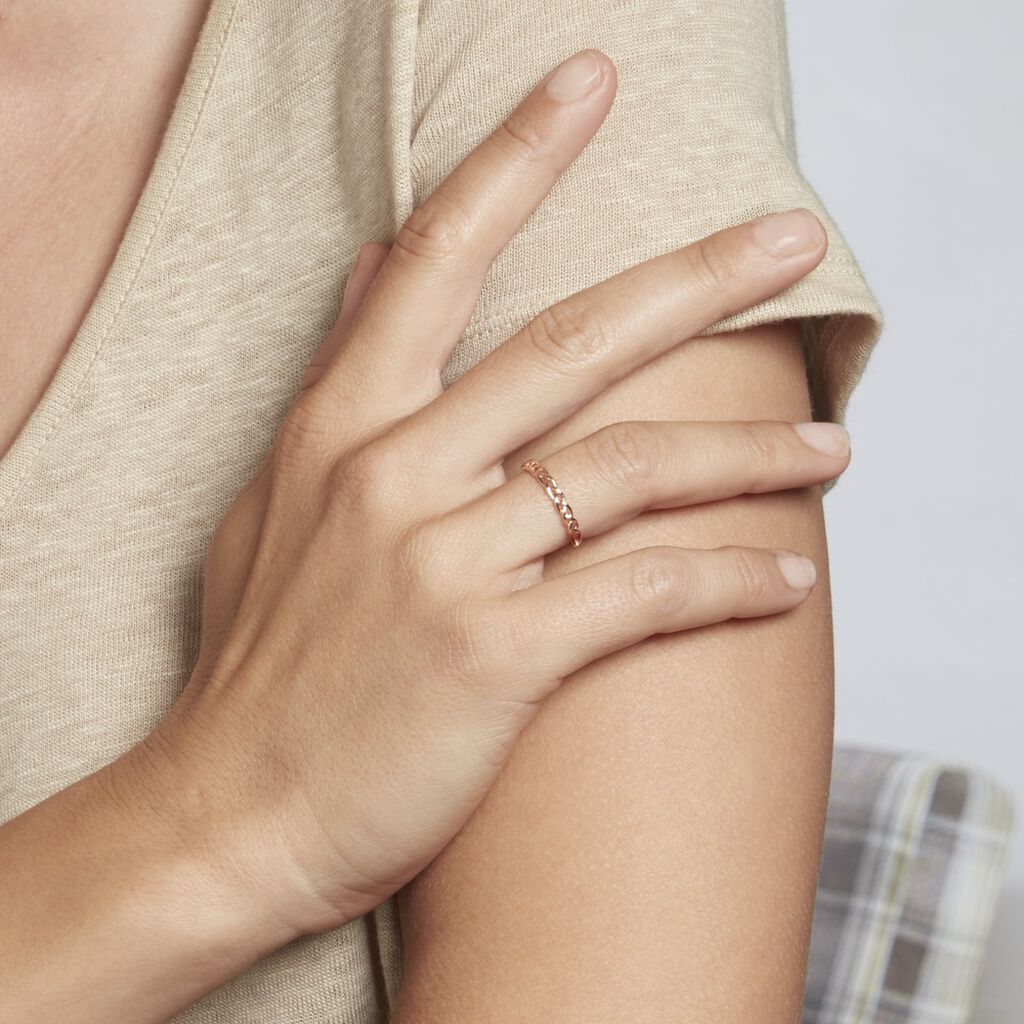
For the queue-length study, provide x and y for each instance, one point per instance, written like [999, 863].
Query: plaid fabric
[910, 874]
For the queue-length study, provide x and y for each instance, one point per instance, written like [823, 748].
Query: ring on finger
[554, 492]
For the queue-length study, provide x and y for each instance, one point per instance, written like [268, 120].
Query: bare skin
[85, 91]
[131, 984]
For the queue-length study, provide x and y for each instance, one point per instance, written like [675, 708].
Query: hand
[377, 630]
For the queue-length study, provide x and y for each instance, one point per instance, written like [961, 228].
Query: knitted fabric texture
[301, 131]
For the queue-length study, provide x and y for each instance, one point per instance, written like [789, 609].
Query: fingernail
[797, 571]
[574, 78]
[829, 438]
[790, 233]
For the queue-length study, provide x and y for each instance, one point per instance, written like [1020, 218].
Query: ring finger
[611, 475]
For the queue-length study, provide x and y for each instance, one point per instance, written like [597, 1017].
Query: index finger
[426, 289]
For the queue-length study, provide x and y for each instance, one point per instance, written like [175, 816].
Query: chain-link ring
[554, 492]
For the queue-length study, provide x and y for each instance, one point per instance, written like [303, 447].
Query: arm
[654, 839]
[117, 907]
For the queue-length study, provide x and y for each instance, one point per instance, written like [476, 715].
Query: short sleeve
[700, 137]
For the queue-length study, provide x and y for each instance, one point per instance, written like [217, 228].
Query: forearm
[114, 910]
[654, 840]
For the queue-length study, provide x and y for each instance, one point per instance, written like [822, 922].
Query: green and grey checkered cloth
[910, 876]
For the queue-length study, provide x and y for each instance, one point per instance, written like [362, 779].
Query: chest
[79, 138]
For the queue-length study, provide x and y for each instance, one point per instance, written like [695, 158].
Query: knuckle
[659, 579]
[762, 444]
[712, 267]
[754, 577]
[569, 332]
[423, 559]
[307, 430]
[434, 232]
[463, 638]
[365, 476]
[519, 137]
[625, 452]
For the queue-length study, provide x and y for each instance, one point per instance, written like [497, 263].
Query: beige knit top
[301, 131]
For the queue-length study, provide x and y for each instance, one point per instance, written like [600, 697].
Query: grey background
[909, 122]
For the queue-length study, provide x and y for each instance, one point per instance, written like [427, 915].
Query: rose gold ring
[554, 492]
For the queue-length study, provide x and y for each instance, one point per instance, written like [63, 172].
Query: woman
[376, 729]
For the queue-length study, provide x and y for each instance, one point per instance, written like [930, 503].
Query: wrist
[104, 880]
[224, 823]
[207, 853]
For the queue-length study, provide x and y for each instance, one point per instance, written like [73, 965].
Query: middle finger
[575, 349]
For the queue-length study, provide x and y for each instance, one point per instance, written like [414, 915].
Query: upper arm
[650, 848]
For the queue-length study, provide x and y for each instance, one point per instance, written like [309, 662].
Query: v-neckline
[132, 252]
